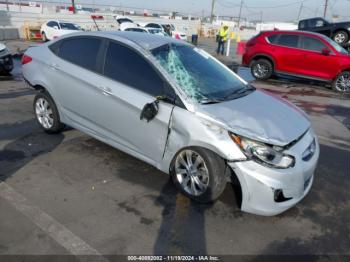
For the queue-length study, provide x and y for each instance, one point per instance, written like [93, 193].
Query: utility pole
[240, 13]
[73, 5]
[300, 10]
[212, 11]
[325, 8]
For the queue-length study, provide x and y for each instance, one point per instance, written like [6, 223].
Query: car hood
[260, 116]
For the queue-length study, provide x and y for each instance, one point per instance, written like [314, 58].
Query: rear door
[75, 74]
[129, 82]
[316, 64]
[286, 50]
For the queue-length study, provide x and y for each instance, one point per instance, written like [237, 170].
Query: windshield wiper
[239, 92]
[208, 101]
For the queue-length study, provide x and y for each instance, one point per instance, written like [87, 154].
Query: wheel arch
[342, 70]
[263, 56]
[39, 88]
[340, 29]
[193, 147]
[230, 175]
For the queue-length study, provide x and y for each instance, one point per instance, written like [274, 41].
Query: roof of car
[146, 41]
[297, 32]
[312, 18]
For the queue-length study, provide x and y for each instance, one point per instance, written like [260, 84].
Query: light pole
[325, 9]
[212, 11]
[300, 10]
[240, 13]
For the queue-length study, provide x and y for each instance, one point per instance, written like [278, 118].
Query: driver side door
[127, 84]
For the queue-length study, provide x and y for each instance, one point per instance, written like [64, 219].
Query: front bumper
[6, 63]
[260, 183]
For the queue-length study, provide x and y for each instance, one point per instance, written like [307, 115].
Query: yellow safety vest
[223, 34]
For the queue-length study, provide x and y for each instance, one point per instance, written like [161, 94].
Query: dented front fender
[188, 129]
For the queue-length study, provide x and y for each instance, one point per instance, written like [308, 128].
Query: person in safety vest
[222, 38]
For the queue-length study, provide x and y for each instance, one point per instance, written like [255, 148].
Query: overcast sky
[273, 10]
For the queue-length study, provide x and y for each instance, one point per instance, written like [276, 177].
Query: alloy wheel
[260, 70]
[340, 38]
[43, 113]
[343, 83]
[191, 172]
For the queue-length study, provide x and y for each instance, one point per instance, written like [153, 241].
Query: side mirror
[325, 51]
[150, 110]
[55, 27]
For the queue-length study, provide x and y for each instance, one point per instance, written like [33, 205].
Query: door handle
[106, 90]
[54, 66]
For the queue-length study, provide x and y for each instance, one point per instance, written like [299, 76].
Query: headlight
[263, 153]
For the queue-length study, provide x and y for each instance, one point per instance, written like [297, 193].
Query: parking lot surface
[71, 194]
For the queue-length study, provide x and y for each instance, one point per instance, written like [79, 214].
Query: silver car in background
[177, 108]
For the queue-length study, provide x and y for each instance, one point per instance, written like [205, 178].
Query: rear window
[289, 40]
[82, 51]
[124, 20]
[272, 39]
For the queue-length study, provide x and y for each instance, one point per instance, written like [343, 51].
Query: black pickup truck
[339, 32]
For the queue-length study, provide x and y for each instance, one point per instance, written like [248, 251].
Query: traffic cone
[233, 35]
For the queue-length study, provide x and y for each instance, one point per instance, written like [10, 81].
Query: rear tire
[342, 82]
[261, 69]
[341, 37]
[199, 174]
[46, 113]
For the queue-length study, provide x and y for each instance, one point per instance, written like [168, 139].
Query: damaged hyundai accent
[177, 108]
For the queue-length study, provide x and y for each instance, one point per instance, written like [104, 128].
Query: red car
[298, 53]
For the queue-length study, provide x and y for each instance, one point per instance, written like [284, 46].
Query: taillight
[26, 59]
[177, 36]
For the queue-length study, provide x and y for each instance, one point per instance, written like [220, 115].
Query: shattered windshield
[199, 75]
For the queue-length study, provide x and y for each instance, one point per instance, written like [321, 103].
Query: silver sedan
[179, 109]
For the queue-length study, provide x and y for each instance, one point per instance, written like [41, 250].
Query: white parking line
[49, 225]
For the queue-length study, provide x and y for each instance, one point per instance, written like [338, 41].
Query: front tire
[46, 113]
[199, 174]
[342, 82]
[341, 37]
[262, 69]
